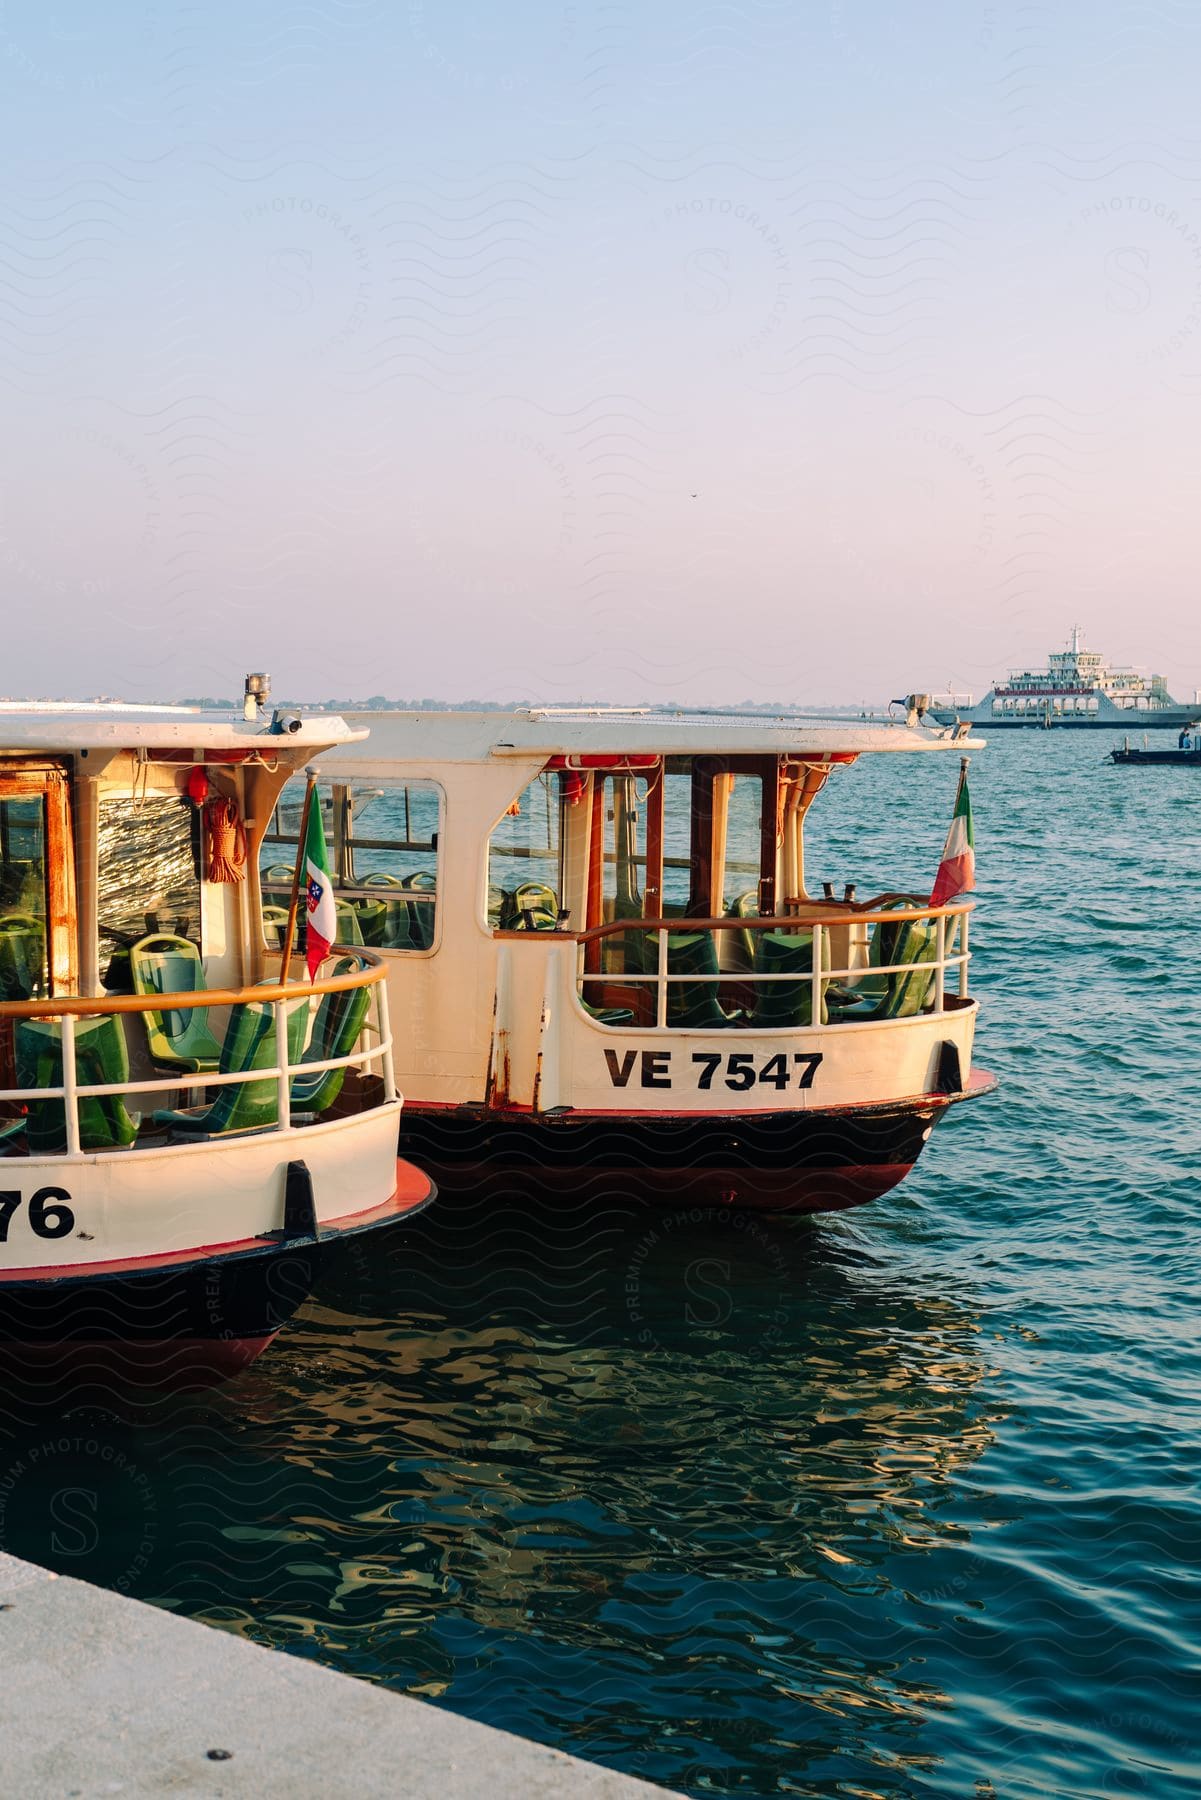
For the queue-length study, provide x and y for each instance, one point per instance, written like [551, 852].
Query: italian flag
[957, 870]
[321, 916]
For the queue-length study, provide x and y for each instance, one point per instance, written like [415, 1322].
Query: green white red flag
[320, 912]
[957, 870]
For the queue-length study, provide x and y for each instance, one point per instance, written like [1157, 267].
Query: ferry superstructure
[598, 927]
[1077, 689]
[179, 1113]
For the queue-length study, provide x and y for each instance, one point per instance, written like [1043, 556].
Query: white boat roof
[50, 725]
[452, 737]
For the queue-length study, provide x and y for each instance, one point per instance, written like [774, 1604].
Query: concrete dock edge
[103, 1695]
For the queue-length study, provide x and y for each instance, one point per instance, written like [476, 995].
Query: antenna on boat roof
[256, 693]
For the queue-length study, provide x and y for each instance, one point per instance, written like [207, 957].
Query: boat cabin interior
[129, 895]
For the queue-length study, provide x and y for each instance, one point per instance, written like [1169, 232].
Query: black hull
[168, 1323]
[189, 1325]
[1190, 759]
[800, 1161]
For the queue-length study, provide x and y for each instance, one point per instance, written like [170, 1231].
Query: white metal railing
[951, 929]
[283, 998]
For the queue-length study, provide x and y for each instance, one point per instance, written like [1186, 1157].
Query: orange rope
[226, 840]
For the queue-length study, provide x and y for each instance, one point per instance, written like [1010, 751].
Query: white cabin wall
[442, 1002]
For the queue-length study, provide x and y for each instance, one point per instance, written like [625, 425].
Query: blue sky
[710, 352]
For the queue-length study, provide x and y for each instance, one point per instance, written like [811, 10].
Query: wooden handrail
[831, 913]
[100, 1005]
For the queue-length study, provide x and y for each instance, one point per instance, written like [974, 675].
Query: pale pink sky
[718, 355]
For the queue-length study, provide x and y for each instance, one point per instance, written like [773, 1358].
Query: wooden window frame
[50, 782]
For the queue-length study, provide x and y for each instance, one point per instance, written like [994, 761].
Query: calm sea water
[889, 1503]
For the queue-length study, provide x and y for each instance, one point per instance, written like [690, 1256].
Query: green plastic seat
[275, 923]
[608, 1015]
[691, 1006]
[869, 985]
[905, 992]
[392, 921]
[349, 929]
[372, 916]
[275, 884]
[535, 918]
[630, 952]
[183, 1040]
[528, 896]
[22, 956]
[421, 914]
[398, 926]
[100, 1058]
[243, 1105]
[784, 1005]
[745, 906]
[336, 1029]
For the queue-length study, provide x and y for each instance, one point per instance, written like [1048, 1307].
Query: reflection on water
[669, 1490]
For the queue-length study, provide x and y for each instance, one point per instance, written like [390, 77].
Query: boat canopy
[64, 727]
[453, 737]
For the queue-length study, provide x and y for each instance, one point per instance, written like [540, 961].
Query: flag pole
[293, 906]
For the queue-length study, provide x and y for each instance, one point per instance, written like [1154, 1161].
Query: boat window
[624, 863]
[697, 838]
[677, 840]
[149, 862]
[525, 859]
[24, 970]
[713, 847]
[382, 841]
[743, 846]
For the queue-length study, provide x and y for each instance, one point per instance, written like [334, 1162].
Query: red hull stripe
[413, 1190]
[979, 1082]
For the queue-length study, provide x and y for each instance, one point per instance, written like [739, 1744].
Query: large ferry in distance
[1078, 688]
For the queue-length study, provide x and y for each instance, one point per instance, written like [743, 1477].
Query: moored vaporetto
[184, 1124]
[611, 969]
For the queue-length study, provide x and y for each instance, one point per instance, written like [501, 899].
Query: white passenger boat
[176, 1113]
[611, 969]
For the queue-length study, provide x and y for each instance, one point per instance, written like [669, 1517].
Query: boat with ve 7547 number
[612, 971]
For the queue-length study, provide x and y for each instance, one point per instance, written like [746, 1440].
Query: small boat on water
[183, 1127]
[1185, 753]
[598, 929]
